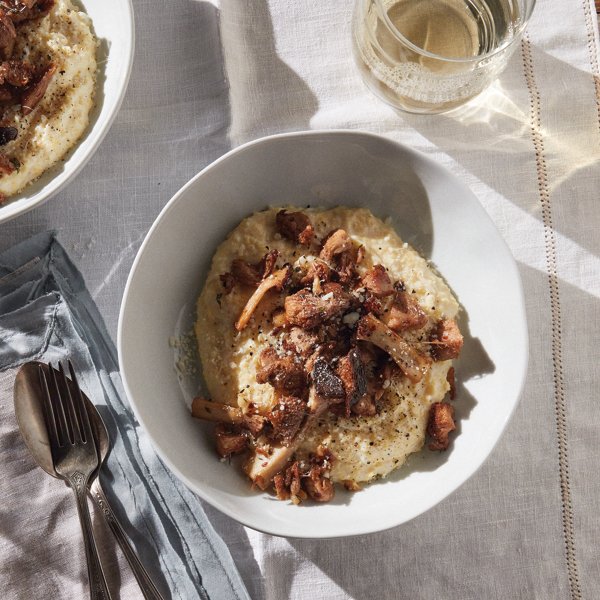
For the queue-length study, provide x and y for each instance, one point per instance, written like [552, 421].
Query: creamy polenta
[62, 38]
[362, 446]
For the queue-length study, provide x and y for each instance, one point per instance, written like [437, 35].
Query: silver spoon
[30, 417]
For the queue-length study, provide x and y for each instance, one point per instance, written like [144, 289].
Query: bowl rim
[57, 184]
[357, 528]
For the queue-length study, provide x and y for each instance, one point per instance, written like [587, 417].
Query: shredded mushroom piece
[35, 92]
[411, 362]
[276, 280]
[261, 469]
[337, 243]
[215, 411]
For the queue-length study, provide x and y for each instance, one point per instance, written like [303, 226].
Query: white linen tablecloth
[210, 75]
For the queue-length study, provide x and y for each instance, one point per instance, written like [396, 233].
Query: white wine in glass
[430, 56]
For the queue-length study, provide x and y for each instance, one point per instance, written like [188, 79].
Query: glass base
[412, 106]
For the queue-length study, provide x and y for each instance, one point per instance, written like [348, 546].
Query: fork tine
[49, 409]
[84, 420]
[59, 413]
[72, 413]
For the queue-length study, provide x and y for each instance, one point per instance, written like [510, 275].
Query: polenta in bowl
[303, 295]
[47, 87]
[326, 345]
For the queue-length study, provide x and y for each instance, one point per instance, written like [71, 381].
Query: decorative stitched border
[592, 51]
[551, 257]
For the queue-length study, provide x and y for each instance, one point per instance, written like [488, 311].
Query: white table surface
[526, 525]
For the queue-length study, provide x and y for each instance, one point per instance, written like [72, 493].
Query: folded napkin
[47, 314]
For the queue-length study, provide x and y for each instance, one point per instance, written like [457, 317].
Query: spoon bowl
[29, 411]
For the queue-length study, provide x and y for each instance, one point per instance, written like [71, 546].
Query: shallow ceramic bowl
[113, 25]
[431, 210]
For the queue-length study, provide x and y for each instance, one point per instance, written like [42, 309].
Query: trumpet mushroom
[223, 413]
[337, 242]
[274, 281]
[411, 362]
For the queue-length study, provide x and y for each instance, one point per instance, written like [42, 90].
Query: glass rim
[467, 59]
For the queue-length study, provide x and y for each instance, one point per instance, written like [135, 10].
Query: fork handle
[98, 587]
[143, 578]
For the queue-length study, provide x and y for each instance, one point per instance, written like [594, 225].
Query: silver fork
[75, 459]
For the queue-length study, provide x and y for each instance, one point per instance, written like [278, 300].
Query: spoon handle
[98, 587]
[143, 578]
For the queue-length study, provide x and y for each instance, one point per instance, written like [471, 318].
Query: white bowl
[431, 209]
[113, 25]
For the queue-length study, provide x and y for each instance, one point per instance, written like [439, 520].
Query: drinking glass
[430, 56]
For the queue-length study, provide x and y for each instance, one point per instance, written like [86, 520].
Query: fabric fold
[46, 313]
